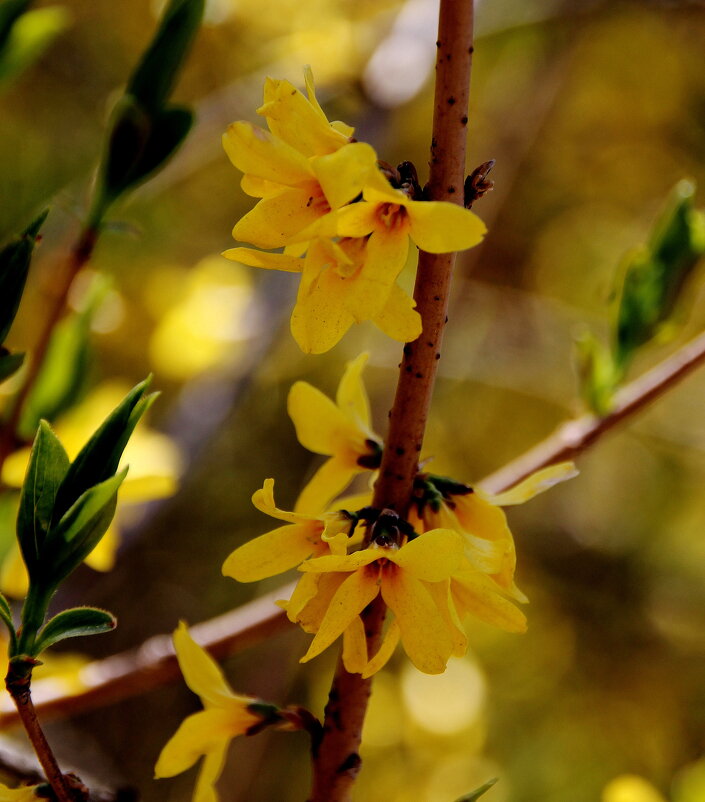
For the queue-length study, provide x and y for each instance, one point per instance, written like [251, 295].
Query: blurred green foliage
[592, 120]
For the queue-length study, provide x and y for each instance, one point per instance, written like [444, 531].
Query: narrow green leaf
[29, 37]
[6, 616]
[63, 374]
[656, 274]
[78, 532]
[155, 76]
[48, 464]
[74, 623]
[9, 363]
[14, 267]
[99, 458]
[10, 10]
[597, 374]
[476, 794]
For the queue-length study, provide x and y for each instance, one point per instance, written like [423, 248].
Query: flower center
[354, 249]
[391, 215]
[317, 200]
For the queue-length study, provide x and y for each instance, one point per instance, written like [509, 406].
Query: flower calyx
[433, 490]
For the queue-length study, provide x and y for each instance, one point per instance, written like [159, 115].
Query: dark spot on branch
[436, 297]
[351, 764]
[438, 356]
[451, 190]
[464, 119]
[471, 50]
[408, 349]
[399, 451]
[430, 344]
[409, 368]
[451, 101]
[438, 43]
[419, 375]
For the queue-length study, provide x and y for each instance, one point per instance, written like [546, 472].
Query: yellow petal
[432, 556]
[630, 788]
[440, 593]
[272, 553]
[351, 598]
[211, 769]
[356, 220]
[102, 558]
[297, 121]
[15, 467]
[343, 174]
[349, 562]
[439, 227]
[278, 220]
[352, 396]
[257, 152]
[320, 319]
[199, 734]
[476, 594]
[355, 647]
[258, 187]
[269, 261]
[369, 290]
[399, 318]
[425, 638]
[201, 673]
[311, 599]
[328, 482]
[533, 485]
[24, 794]
[263, 499]
[139, 489]
[320, 425]
[385, 651]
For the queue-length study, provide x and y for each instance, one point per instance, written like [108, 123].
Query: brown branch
[571, 438]
[17, 683]
[337, 761]
[77, 259]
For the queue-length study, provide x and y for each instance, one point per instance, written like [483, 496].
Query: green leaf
[62, 377]
[99, 458]
[10, 10]
[48, 464]
[476, 794]
[597, 374]
[79, 531]
[155, 76]
[140, 144]
[74, 623]
[9, 363]
[14, 267]
[6, 616]
[656, 274]
[28, 38]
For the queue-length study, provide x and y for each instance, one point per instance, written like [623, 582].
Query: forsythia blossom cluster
[455, 556]
[324, 201]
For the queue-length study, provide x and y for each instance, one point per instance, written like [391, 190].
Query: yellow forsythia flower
[339, 430]
[208, 733]
[154, 463]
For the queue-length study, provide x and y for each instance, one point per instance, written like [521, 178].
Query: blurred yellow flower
[154, 463]
[208, 733]
[630, 788]
[339, 430]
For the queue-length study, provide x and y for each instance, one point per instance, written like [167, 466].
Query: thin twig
[77, 259]
[337, 761]
[573, 437]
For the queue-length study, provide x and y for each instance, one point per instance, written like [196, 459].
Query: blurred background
[593, 111]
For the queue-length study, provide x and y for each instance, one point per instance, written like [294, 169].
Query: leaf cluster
[655, 276]
[65, 509]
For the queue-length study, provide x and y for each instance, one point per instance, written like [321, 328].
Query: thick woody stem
[337, 761]
[77, 259]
